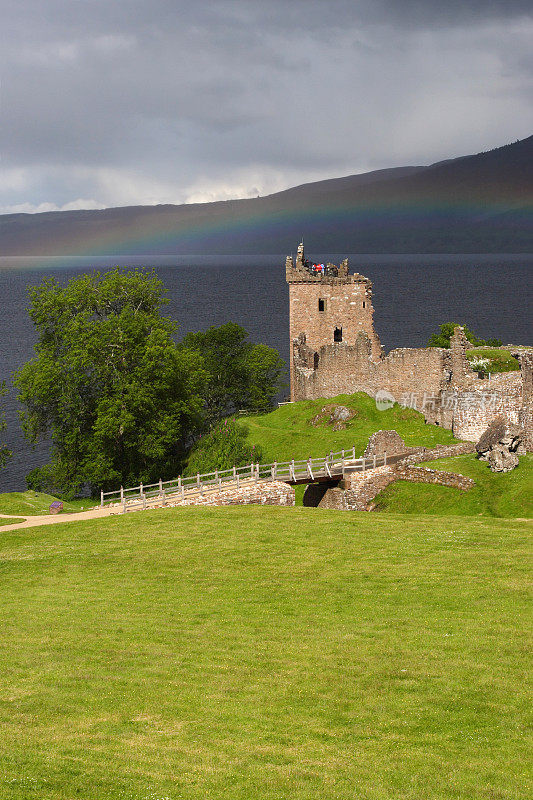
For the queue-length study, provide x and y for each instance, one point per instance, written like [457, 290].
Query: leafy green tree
[241, 374]
[442, 339]
[5, 454]
[119, 399]
[222, 448]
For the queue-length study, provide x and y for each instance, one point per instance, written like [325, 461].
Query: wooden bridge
[329, 469]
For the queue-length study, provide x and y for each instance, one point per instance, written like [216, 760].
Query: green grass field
[31, 503]
[286, 433]
[507, 494]
[500, 359]
[265, 653]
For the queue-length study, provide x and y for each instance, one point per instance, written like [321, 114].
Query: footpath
[52, 519]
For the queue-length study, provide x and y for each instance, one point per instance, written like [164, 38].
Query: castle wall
[326, 306]
[347, 306]
[525, 415]
[344, 368]
[475, 407]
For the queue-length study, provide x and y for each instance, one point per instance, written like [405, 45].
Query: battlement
[304, 271]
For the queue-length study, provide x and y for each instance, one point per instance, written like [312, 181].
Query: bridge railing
[294, 471]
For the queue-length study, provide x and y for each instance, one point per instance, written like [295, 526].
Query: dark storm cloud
[119, 102]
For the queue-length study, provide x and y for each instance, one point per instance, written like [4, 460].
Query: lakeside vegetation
[121, 401]
[265, 653]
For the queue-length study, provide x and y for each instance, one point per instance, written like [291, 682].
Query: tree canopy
[119, 400]
[5, 454]
[442, 339]
[241, 375]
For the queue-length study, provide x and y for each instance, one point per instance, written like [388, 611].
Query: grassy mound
[496, 495]
[265, 653]
[500, 359]
[287, 432]
[32, 503]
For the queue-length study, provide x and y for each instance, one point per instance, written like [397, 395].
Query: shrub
[225, 446]
[442, 339]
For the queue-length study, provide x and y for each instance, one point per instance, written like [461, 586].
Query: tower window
[337, 335]
[321, 304]
[315, 361]
[364, 304]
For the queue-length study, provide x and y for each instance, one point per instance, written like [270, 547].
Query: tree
[222, 448]
[241, 374]
[442, 339]
[119, 399]
[5, 454]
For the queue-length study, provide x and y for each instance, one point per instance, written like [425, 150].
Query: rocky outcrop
[500, 445]
[501, 459]
[337, 416]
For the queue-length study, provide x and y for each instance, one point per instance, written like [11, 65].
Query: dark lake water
[412, 295]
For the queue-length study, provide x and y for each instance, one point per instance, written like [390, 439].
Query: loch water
[412, 295]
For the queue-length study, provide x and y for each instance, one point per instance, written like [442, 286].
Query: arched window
[315, 361]
[337, 335]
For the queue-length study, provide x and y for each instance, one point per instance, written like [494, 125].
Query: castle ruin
[335, 350]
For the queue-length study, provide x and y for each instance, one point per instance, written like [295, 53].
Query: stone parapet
[267, 493]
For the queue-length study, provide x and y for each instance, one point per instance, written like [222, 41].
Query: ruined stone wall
[362, 488]
[340, 368]
[441, 451]
[525, 415]
[482, 401]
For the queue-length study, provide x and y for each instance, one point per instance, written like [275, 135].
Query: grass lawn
[507, 494]
[286, 433]
[500, 359]
[10, 521]
[265, 653]
[31, 503]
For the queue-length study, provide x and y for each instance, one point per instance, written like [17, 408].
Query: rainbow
[273, 224]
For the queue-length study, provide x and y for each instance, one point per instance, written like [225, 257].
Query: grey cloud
[134, 102]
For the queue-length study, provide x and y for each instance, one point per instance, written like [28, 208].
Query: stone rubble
[500, 445]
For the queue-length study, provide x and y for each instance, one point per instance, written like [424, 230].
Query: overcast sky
[122, 102]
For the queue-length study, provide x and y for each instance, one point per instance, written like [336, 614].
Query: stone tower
[328, 309]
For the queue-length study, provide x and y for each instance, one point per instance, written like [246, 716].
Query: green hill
[265, 653]
[494, 495]
[288, 431]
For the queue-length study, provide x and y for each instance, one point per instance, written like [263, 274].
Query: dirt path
[51, 519]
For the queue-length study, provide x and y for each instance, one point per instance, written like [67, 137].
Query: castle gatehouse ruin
[335, 350]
